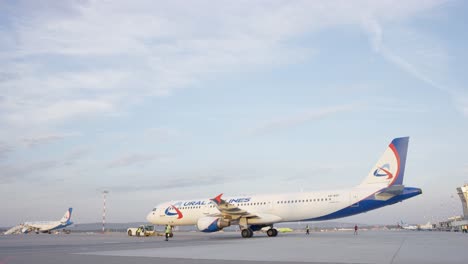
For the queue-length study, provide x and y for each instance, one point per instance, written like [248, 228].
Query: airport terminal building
[458, 223]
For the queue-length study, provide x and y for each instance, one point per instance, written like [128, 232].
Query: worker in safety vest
[168, 231]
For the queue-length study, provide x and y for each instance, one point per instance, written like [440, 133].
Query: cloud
[379, 47]
[78, 59]
[133, 159]
[59, 111]
[45, 139]
[72, 60]
[168, 183]
[298, 119]
[308, 174]
[375, 31]
[161, 133]
[12, 173]
[462, 103]
[4, 150]
[19, 171]
[76, 155]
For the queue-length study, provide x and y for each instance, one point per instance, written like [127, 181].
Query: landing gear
[247, 233]
[272, 232]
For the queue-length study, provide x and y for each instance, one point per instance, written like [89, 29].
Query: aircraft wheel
[271, 232]
[247, 233]
[129, 232]
[275, 232]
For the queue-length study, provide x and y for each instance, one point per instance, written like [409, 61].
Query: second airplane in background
[383, 186]
[42, 226]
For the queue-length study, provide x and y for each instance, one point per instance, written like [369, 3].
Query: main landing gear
[272, 232]
[246, 233]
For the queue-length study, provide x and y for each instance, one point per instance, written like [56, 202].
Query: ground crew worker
[355, 229]
[168, 232]
[307, 229]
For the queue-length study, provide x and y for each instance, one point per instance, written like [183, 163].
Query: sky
[166, 100]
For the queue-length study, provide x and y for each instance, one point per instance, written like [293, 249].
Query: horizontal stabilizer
[389, 192]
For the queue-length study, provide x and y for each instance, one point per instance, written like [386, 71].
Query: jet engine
[212, 224]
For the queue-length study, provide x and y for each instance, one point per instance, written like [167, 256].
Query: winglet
[217, 199]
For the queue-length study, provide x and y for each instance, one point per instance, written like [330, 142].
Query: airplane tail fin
[67, 216]
[390, 168]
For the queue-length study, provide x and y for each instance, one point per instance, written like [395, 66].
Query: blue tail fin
[67, 216]
[400, 147]
[390, 169]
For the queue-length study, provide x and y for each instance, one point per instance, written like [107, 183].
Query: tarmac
[229, 248]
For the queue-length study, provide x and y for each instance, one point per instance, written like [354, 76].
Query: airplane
[408, 227]
[383, 186]
[426, 227]
[42, 226]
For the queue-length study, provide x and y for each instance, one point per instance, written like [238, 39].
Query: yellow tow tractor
[143, 230]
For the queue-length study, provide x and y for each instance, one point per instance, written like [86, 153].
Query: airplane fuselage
[382, 186]
[303, 206]
[46, 226]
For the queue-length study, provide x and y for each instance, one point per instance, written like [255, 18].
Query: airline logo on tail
[383, 171]
[66, 218]
[67, 215]
[177, 212]
[389, 169]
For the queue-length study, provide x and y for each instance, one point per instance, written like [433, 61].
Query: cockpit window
[154, 209]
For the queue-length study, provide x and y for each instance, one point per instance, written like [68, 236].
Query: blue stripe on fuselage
[368, 204]
[62, 225]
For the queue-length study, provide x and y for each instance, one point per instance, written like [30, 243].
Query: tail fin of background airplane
[67, 216]
[390, 168]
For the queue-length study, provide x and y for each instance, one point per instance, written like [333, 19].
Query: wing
[231, 211]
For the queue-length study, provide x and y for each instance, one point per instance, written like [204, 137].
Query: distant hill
[96, 227]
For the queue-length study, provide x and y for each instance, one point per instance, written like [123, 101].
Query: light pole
[104, 210]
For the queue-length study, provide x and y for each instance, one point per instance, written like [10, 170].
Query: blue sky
[156, 101]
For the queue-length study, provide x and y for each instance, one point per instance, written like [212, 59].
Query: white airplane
[408, 227]
[427, 227]
[383, 186]
[42, 226]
